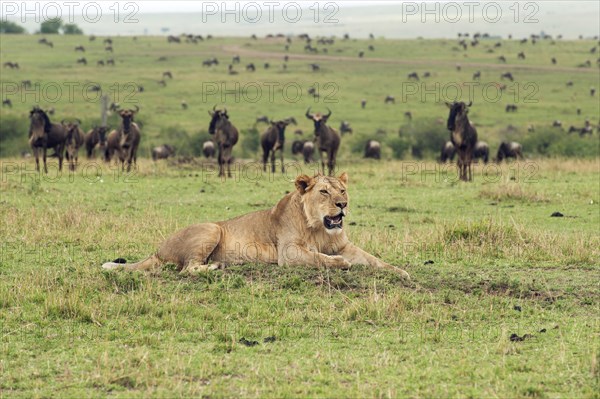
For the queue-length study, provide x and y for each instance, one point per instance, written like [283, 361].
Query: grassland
[539, 90]
[487, 259]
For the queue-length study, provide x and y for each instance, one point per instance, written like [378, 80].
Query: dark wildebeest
[502, 59]
[389, 99]
[345, 128]
[510, 149]
[44, 134]
[100, 63]
[306, 147]
[408, 115]
[82, 61]
[511, 108]
[74, 141]
[508, 76]
[315, 67]
[110, 61]
[463, 135]
[477, 75]
[235, 59]
[521, 55]
[326, 139]
[250, 67]
[184, 104]
[413, 75]
[80, 48]
[262, 119]
[448, 152]
[373, 149]
[7, 103]
[11, 65]
[272, 140]
[553, 61]
[225, 136]
[481, 150]
[167, 74]
[361, 54]
[208, 149]
[162, 152]
[95, 137]
[363, 103]
[124, 140]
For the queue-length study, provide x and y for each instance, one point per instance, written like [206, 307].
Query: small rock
[352, 223]
[515, 338]
[557, 215]
[517, 308]
[120, 260]
[543, 330]
[428, 262]
[269, 339]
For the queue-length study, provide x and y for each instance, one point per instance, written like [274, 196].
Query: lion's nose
[341, 205]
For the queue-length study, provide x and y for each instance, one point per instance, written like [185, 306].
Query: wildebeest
[100, 63]
[345, 128]
[108, 48]
[80, 48]
[510, 149]
[124, 140]
[306, 147]
[502, 59]
[363, 103]
[44, 134]
[235, 59]
[511, 108]
[250, 67]
[273, 140]
[7, 103]
[373, 149]
[262, 119]
[208, 149]
[225, 136]
[326, 139]
[173, 39]
[553, 61]
[184, 104]
[82, 61]
[11, 65]
[477, 75]
[361, 54]
[389, 99]
[521, 55]
[73, 142]
[210, 62]
[481, 151]
[557, 123]
[162, 152]
[167, 74]
[448, 152]
[408, 115]
[413, 75]
[507, 75]
[463, 135]
[315, 67]
[95, 138]
[592, 91]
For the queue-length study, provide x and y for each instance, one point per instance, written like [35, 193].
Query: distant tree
[72, 29]
[11, 27]
[51, 26]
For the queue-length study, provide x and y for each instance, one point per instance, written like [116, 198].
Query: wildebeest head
[127, 117]
[280, 127]
[458, 110]
[40, 123]
[318, 119]
[217, 118]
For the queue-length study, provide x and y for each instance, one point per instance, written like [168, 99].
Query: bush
[249, 142]
[72, 29]
[11, 28]
[51, 26]
[554, 142]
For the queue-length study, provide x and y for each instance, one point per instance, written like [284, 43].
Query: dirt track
[235, 49]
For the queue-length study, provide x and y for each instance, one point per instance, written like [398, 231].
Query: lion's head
[324, 200]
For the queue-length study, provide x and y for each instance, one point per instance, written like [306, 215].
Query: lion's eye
[324, 192]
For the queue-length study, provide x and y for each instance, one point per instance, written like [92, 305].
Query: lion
[305, 228]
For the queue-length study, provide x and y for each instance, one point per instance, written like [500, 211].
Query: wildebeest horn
[329, 114]
[225, 110]
[470, 103]
[448, 104]
[308, 115]
[137, 109]
[215, 107]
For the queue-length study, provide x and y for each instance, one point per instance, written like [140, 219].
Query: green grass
[70, 329]
[540, 88]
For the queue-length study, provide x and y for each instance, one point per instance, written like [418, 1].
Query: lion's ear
[302, 182]
[344, 178]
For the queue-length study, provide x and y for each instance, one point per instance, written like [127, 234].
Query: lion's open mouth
[334, 222]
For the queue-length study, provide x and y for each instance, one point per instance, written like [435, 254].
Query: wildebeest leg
[330, 162]
[322, 160]
[272, 161]
[265, 159]
[220, 159]
[281, 157]
[36, 154]
[44, 155]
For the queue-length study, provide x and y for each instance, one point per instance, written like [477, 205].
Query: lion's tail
[149, 263]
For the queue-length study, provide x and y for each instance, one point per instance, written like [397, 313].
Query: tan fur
[291, 233]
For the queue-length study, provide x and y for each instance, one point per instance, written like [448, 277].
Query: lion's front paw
[402, 273]
[338, 262]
